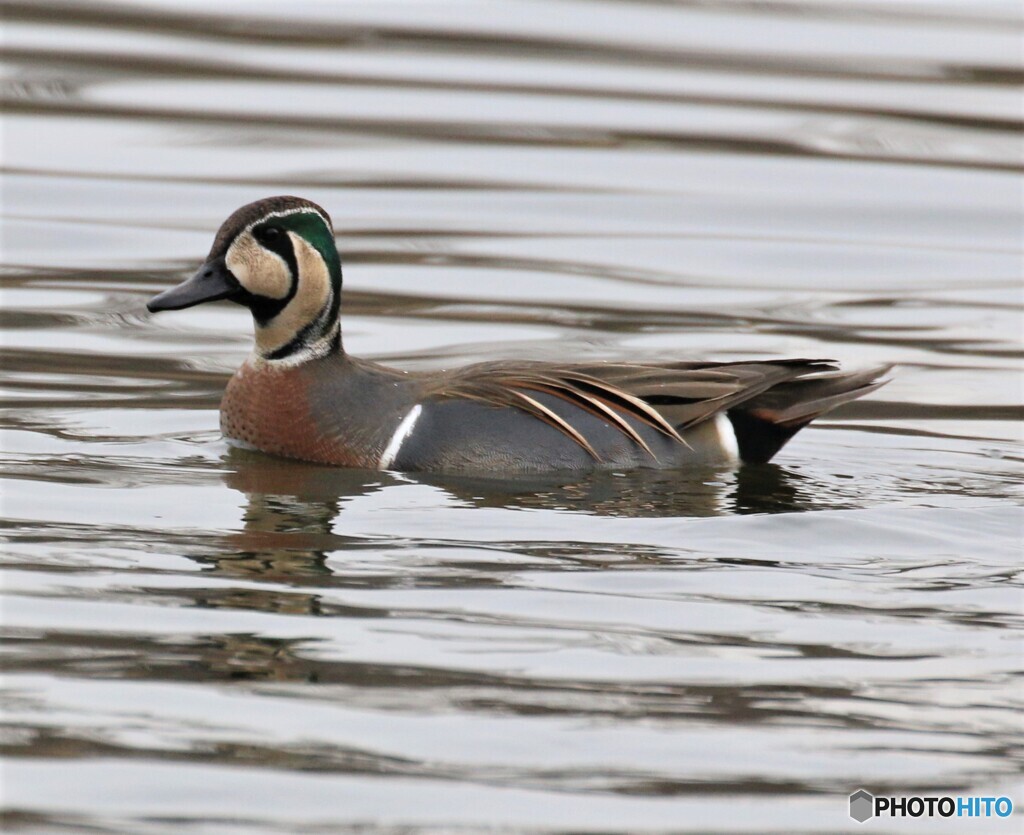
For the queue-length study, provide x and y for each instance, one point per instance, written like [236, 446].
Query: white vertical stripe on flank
[403, 431]
[727, 436]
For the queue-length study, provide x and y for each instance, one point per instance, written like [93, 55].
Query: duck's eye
[270, 233]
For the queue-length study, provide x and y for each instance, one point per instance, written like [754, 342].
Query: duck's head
[277, 257]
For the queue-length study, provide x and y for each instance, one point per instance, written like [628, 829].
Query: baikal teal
[300, 395]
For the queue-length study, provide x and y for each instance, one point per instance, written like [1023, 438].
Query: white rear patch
[403, 431]
[727, 436]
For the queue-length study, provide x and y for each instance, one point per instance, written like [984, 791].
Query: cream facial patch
[258, 270]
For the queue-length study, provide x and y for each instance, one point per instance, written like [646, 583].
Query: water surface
[211, 640]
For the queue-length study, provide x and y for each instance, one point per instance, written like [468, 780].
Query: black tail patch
[758, 438]
[766, 422]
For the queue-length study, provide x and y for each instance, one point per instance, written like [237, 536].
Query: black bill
[213, 281]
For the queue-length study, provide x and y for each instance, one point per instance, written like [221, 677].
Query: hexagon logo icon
[862, 805]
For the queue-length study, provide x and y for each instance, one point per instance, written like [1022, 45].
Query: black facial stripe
[313, 332]
[336, 341]
[287, 350]
[282, 245]
[335, 305]
[301, 340]
[264, 309]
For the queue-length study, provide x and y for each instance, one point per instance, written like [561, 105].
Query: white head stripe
[284, 213]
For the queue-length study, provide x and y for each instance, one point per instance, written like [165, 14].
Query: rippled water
[214, 640]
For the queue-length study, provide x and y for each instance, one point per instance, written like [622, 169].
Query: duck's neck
[313, 341]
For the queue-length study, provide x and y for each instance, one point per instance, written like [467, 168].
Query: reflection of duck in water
[292, 505]
[301, 396]
[289, 515]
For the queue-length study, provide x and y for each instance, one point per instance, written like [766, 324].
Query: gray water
[207, 640]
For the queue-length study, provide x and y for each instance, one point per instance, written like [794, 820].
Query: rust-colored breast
[268, 408]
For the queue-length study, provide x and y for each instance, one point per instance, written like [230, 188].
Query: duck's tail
[766, 422]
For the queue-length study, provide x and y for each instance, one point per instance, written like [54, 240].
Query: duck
[300, 395]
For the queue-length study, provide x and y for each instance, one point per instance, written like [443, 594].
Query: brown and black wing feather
[768, 402]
